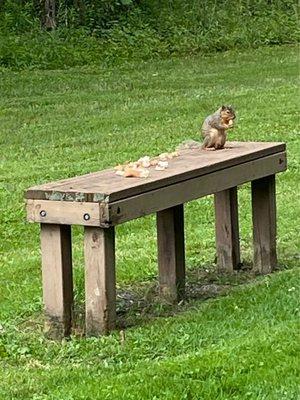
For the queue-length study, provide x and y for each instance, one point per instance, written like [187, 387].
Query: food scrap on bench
[140, 168]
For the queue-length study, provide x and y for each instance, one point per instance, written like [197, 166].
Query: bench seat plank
[110, 214]
[108, 187]
[179, 193]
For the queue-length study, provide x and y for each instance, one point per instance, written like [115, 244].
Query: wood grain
[227, 230]
[57, 279]
[68, 213]
[170, 196]
[106, 186]
[100, 291]
[264, 224]
[171, 258]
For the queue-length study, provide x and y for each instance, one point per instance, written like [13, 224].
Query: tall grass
[149, 30]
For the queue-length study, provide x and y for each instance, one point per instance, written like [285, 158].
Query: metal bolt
[86, 216]
[43, 213]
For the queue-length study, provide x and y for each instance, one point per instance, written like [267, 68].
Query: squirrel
[213, 131]
[214, 128]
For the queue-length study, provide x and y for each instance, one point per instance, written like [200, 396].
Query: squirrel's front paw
[230, 124]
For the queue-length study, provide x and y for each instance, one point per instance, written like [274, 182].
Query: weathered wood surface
[264, 224]
[66, 212]
[57, 279]
[227, 230]
[179, 193]
[105, 186]
[171, 258]
[108, 214]
[100, 280]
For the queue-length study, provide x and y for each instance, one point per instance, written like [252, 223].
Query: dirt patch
[140, 303]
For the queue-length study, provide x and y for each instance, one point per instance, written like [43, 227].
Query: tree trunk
[49, 21]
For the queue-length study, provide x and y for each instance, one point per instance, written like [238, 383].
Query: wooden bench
[99, 201]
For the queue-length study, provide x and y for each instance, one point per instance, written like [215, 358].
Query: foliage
[102, 31]
[56, 124]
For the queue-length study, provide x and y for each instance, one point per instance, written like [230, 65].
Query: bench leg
[57, 279]
[171, 259]
[264, 224]
[227, 230]
[100, 281]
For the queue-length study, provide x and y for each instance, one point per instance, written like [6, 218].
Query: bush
[119, 31]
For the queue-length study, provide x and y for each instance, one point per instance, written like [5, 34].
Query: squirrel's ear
[223, 108]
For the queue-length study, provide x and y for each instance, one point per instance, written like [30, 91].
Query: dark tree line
[98, 16]
[92, 14]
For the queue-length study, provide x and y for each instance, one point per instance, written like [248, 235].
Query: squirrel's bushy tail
[189, 144]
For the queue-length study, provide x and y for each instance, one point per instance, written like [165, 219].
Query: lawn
[239, 339]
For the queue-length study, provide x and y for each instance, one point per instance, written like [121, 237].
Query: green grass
[55, 124]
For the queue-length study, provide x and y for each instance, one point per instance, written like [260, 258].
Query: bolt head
[86, 217]
[43, 213]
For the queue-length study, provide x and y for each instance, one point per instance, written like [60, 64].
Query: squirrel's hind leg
[220, 141]
[206, 143]
[209, 141]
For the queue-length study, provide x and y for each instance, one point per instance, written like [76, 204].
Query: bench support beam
[171, 258]
[264, 224]
[57, 279]
[100, 280]
[227, 230]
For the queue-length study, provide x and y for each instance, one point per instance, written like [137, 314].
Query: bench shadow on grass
[137, 305]
[140, 304]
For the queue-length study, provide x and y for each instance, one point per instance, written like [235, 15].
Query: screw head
[86, 217]
[43, 213]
